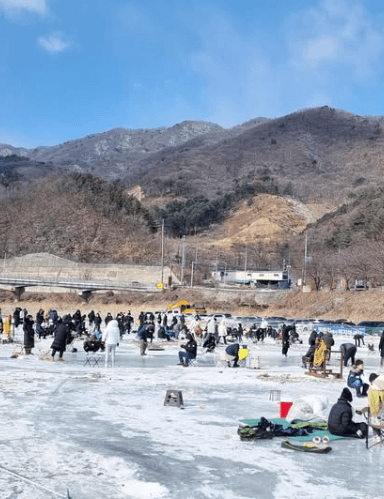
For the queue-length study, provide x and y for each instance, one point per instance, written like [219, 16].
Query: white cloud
[12, 6]
[321, 48]
[336, 32]
[329, 51]
[54, 43]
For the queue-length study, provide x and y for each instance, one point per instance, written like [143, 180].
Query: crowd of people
[208, 334]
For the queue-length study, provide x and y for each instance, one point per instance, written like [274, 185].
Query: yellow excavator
[183, 307]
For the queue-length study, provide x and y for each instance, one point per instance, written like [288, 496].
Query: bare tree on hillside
[332, 272]
[347, 269]
[317, 272]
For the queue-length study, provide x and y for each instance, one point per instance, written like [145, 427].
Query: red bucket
[284, 408]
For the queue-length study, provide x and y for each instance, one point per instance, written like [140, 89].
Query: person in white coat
[111, 337]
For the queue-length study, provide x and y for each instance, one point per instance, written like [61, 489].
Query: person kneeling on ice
[340, 418]
[190, 351]
[355, 381]
[232, 354]
[111, 338]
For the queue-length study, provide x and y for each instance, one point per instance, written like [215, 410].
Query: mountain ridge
[309, 152]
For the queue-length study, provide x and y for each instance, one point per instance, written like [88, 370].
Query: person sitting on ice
[93, 344]
[190, 351]
[340, 418]
[232, 354]
[308, 357]
[323, 349]
[313, 338]
[354, 379]
[210, 343]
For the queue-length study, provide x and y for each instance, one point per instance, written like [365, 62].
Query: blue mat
[308, 438]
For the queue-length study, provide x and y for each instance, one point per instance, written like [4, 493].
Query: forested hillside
[78, 216]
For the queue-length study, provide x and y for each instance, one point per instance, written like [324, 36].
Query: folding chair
[377, 425]
[92, 360]
[371, 348]
[222, 360]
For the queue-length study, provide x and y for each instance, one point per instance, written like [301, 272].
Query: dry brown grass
[354, 306]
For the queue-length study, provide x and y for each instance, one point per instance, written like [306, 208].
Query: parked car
[218, 316]
[245, 321]
[372, 327]
[277, 322]
[304, 325]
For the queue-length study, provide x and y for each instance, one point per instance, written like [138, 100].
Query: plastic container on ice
[284, 408]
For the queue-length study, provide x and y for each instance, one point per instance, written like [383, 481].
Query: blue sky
[72, 68]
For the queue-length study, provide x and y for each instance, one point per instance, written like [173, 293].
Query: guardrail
[10, 280]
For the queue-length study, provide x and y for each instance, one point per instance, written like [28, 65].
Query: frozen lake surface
[105, 433]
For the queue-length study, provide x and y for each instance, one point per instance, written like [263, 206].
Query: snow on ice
[106, 434]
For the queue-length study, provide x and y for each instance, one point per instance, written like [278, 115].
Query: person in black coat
[190, 351]
[348, 351]
[285, 340]
[62, 333]
[340, 418]
[141, 319]
[381, 348]
[39, 322]
[97, 321]
[16, 317]
[91, 318]
[309, 356]
[128, 321]
[29, 334]
[108, 318]
[210, 343]
[232, 353]
[312, 338]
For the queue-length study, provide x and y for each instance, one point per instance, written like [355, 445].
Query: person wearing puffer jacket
[111, 338]
[340, 418]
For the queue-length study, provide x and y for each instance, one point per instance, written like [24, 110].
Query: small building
[264, 278]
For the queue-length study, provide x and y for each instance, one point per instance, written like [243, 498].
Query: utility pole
[182, 260]
[192, 275]
[245, 263]
[162, 252]
[305, 259]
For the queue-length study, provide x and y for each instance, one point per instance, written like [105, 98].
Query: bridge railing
[16, 280]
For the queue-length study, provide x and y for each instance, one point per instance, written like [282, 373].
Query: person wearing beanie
[340, 418]
[355, 381]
